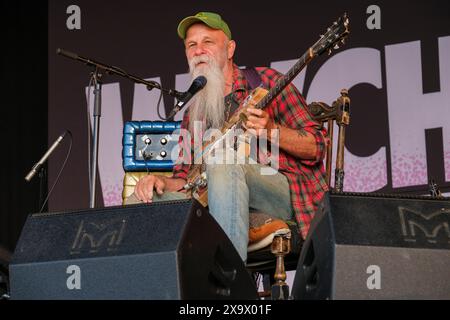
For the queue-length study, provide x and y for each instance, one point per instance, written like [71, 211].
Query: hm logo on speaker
[415, 225]
[92, 237]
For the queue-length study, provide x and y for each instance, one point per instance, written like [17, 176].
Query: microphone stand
[97, 104]
[120, 72]
[42, 177]
[97, 114]
[39, 168]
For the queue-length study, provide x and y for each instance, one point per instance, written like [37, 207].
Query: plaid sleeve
[321, 143]
[292, 111]
[298, 117]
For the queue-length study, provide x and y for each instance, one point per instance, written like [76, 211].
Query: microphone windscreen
[197, 84]
[67, 54]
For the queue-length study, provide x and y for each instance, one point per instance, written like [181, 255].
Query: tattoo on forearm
[301, 132]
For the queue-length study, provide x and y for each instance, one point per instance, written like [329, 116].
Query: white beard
[208, 105]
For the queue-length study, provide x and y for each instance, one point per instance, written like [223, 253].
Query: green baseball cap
[212, 20]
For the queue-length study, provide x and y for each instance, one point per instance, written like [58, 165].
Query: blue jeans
[232, 190]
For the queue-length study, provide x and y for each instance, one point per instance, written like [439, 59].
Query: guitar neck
[286, 79]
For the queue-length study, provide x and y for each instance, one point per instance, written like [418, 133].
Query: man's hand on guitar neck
[154, 183]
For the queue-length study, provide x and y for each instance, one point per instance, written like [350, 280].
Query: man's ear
[231, 47]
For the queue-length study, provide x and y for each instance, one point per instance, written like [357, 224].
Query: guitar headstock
[334, 36]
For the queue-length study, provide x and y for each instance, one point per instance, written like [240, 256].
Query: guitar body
[195, 177]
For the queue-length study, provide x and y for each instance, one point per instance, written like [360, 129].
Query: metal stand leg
[281, 246]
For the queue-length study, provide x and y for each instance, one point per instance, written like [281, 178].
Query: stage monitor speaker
[167, 250]
[364, 246]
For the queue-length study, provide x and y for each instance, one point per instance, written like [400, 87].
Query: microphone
[198, 84]
[39, 164]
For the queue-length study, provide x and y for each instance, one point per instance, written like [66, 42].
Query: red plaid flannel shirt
[306, 178]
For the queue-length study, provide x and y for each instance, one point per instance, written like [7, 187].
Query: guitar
[260, 98]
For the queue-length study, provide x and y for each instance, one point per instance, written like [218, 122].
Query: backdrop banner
[395, 64]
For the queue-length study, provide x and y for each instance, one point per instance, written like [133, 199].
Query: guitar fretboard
[285, 80]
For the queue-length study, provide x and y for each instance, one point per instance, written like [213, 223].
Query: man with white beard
[233, 189]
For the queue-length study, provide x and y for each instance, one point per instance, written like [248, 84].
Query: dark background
[24, 111]
[148, 46]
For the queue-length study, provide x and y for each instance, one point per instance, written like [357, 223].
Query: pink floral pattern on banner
[112, 194]
[360, 175]
[409, 170]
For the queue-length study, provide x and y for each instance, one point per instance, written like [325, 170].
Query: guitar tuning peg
[335, 23]
[328, 29]
[343, 41]
[329, 51]
[321, 36]
[336, 47]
